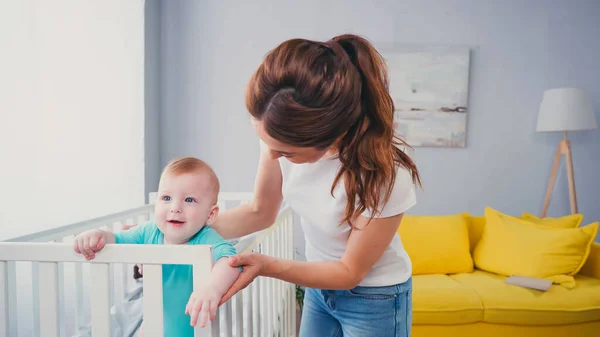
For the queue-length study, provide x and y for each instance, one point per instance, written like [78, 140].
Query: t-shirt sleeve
[402, 198]
[134, 235]
[221, 247]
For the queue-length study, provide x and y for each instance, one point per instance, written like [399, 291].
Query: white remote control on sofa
[529, 282]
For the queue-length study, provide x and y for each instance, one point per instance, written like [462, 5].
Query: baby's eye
[189, 200]
[166, 198]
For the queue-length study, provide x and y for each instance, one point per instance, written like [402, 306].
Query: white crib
[48, 290]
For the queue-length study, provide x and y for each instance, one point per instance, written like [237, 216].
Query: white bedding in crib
[126, 317]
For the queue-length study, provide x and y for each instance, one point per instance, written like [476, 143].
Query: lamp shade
[566, 109]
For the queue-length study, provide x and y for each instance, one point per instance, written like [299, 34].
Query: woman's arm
[261, 212]
[364, 248]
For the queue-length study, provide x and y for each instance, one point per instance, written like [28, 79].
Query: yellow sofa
[459, 284]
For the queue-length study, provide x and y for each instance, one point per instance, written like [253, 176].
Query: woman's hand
[253, 265]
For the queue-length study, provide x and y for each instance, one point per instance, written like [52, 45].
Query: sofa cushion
[511, 304]
[438, 299]
[567, 221]
[512, 246]
[476, 223]
[437, 244]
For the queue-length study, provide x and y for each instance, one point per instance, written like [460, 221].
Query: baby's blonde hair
[185, 165]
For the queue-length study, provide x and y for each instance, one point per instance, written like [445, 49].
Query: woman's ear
[212, 216]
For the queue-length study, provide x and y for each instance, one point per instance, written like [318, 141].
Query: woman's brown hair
[318, 94]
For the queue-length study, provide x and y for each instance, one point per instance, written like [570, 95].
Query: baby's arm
[223, 276]
[203, 303]
[90, 242]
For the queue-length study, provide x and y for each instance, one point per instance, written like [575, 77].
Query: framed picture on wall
[430, 88]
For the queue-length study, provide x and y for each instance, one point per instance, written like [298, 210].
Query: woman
[325, 120]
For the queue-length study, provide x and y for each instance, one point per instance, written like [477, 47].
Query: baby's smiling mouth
[176, 223]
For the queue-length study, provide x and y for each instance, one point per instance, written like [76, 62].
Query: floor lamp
[564, 110]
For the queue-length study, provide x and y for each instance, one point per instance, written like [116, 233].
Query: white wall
[71, 111]
[71, 119]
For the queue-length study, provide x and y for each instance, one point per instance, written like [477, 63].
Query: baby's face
[184, 205]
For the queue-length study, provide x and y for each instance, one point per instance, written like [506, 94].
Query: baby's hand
[89, 242]
[203, 303]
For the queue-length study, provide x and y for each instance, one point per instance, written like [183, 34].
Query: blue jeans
[358, 312]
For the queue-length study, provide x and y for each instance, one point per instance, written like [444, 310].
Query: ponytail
[370, 151]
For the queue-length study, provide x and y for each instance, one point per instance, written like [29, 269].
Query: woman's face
[296, 155]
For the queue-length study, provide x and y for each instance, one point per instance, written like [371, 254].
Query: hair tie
[337, 48]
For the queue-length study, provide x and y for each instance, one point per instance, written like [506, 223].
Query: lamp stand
[563, 149]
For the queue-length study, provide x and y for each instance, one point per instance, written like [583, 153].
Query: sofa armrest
[591, 267]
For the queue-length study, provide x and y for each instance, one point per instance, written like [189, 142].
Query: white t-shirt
[307, 190]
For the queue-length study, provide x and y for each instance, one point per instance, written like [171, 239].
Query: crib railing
[24, 279]
[45, 263]
[49, 255]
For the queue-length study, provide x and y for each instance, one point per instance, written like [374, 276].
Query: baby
[186, 203]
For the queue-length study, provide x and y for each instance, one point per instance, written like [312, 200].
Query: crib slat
[13, 327]
[286, 293]
[111, 277]
[239, 314]
[48, 296]
[277, 290]
[35, 293]
[3, 299]
[286, 312]
[257, 312]
[284, 307]
[276, 298]
[272, 289]
[121, 281]
[228, 319]
[292, 302]
[280, 284]
[201, 268]
[100, 306]
[216, 325]
[60, 277]
[248, 310]
[266, 296]
[286, 301]
[269, 291]
[78, 295]
[291, 308]
[153, 301]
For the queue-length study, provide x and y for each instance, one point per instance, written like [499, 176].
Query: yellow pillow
[567, 221]
[475, 224]
[437, 244]
[513, 246]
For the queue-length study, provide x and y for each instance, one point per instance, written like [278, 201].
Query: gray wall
[208, 50]
[152, 30]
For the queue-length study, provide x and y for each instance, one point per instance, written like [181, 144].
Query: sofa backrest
[437, 243]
